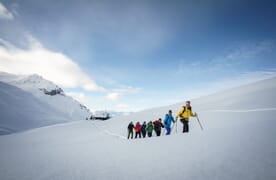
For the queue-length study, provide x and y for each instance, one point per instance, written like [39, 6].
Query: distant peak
[35, 76]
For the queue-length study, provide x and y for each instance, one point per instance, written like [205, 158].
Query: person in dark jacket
[137, 129]
[149, 128]
[143, 129]
[157, 126]
[130, 130]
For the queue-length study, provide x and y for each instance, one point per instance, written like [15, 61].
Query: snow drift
[238, 142]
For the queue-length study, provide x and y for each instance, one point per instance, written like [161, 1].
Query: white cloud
[5, 13]
[54, 66]
[122, 107]
[239, 55]
[244, 52]
[116, 94]
[113, 96]
[128, 89]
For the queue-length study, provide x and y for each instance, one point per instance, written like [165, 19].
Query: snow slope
[25, 105]
[238, 142]
[20, 110]
[37, 85]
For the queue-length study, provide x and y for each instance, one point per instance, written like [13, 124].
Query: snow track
[107, 132]
[114, 134]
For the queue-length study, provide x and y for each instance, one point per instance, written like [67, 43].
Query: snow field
[238, 142]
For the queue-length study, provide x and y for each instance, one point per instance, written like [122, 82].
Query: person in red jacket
[137, 129]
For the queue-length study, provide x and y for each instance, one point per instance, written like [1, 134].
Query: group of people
[147, 128]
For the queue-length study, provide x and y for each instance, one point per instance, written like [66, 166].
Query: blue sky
[132, 55]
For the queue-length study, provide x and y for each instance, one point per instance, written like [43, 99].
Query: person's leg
[168, 130]
[136, 134]
[185, 126]
[128, 135]
[139, 134]
[158, 133]
[131, 134]
[187, 129]
[183, 122]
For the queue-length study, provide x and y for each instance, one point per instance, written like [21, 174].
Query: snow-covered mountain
[20, 110]
[238, 142]
[38, 95]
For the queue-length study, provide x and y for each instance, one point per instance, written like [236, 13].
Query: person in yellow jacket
[184, 113]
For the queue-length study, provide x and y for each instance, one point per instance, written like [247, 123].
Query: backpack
[157, 125]
[184, 109]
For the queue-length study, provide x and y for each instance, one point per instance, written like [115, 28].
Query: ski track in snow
[114, 134]
[107, 132]
[241, 111]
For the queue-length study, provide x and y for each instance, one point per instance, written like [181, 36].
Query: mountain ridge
[42, 93]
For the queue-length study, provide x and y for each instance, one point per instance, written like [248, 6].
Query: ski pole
[199, 123]
[172, 128]
[176, 127]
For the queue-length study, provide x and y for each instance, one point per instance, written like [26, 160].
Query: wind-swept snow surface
[238, 142]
